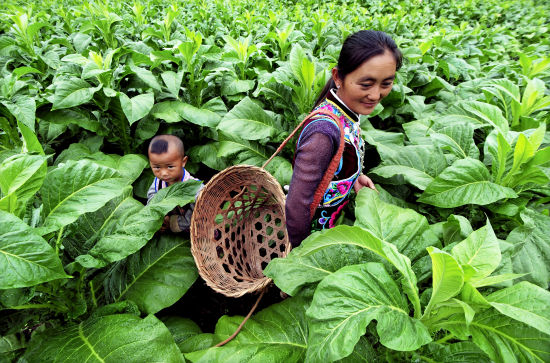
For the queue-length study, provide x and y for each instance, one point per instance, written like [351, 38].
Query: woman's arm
[313, 156]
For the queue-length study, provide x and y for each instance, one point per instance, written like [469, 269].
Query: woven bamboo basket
[237, 227]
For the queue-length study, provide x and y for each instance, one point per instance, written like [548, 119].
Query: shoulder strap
[332, 167]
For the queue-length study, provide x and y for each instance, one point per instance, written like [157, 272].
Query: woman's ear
[335, 77]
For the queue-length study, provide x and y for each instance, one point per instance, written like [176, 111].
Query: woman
[321, 180]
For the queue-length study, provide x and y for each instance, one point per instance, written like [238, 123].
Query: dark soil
[205, 306]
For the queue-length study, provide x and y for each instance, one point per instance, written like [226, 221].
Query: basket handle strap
[329, 174]
[314, 113]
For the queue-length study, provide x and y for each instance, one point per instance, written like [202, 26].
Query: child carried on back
[167, 160]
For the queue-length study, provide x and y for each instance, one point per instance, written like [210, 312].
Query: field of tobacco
[449, 262]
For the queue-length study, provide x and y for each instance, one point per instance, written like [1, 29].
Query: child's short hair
[160, 143]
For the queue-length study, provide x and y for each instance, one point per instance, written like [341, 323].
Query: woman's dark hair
[358, 48]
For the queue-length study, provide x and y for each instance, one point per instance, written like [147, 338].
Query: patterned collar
[334, 98]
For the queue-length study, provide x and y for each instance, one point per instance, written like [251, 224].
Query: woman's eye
[387, 84]
[365, 85]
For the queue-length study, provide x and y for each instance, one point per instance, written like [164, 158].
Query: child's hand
[165, 224]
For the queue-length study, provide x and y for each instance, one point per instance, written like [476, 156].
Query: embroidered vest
[336, 195]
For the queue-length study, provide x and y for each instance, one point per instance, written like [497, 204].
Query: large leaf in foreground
[479, 254]
[111, 338]
[404, 228]
[139, 228]
[248, 121]
[22, 176]
[156, 276]
[504, 339]
[524, 302]
[275, 334]
[26, 259]
[89, 228]
[77, 188]
[323, 253]
[467, 181]
[447, 280]
[345, 303]
[534, 256]
[418, 164]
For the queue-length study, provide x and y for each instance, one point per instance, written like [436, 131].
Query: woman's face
[362, 89]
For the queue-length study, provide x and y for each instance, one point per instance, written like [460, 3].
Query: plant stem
[426, 359]
[33, 306]
[92, 292]
[445, 338]
[58, 242]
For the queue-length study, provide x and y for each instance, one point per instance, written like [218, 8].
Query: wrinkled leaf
[26, 259]
[156, 276]
[466, 181]
[111, 338]
[345, 302]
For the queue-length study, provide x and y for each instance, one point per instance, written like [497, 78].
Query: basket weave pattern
[237, 227]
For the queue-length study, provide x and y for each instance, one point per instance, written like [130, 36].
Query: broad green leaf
[524, 302]
[248, 121]
[72, 92]
[71, 116]
[77, 188]
[281, 169]
[323, 253]
[242, 151]
[26, 259]
[140, 227]
[232, 85]
[466, 181]
[489, 114]
[419, 165]
[136, 107]
[111, 338]
[156, 276]
[408, 230]
[207, 154]
[462, 352]
[456, 229]
[302, 67]
[504, 339]
[480, 252]
[275, 334]
[496, 279]
[22, 176]
[447, 277]
[175, 111]
[130, 166]
[147, 77]
[457, 138]
[89, 228]
[168, 111]
[533, 257]
[172, 81]
[199, 116]
[182, 329]
[23, 108]
[30, 141]
[344, 304]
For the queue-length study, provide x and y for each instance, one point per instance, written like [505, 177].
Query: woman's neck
[354, 115]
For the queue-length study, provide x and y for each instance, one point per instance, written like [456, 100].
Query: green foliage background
[448, 262]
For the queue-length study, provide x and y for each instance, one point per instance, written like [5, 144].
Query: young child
[167, 160]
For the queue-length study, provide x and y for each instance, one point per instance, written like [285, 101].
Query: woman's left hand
[363, 181]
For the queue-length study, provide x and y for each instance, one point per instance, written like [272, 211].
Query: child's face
[168, 166]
